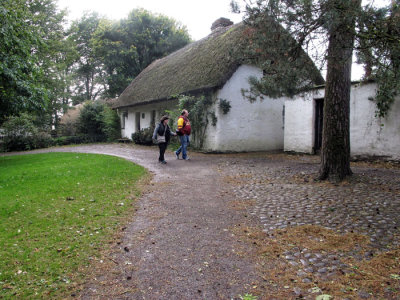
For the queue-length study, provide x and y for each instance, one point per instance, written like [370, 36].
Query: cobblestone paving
[286, 195]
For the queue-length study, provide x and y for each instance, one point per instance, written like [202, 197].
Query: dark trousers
[163, 147]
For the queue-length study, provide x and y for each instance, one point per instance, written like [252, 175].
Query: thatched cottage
[209, 66]
[69, 120]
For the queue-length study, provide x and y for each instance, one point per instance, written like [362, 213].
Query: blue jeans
[183, 148]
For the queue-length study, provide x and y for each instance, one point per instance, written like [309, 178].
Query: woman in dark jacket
[163, 129]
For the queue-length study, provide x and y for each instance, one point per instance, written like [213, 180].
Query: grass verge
[57, 210]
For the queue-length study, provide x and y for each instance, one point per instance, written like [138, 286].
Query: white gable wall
[369, 136]
[247, 126]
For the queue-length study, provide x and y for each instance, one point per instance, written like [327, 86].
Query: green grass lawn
[57, 211]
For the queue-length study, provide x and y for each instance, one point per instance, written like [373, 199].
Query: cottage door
[137, 119]
[319, 116]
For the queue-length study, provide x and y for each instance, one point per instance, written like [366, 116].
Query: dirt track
[179, 244]
[189, 238]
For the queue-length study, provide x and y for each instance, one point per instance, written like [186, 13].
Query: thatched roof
[72, 114]
[205, 64]
[200, 66]
[110, 102]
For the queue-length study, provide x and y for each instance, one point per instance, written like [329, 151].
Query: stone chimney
[220, 23]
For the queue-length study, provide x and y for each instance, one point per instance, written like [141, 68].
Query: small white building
[212, 66]
[369, 135]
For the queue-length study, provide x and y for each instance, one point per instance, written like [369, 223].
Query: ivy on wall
[224, 105]
[201, 114]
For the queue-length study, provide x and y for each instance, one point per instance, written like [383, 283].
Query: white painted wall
[369, 136]
[130, 121]
[299, 122]
[247, 126]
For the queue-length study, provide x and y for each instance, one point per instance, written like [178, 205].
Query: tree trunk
[335, 154]
[87, 83]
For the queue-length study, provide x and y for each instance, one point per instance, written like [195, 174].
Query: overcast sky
[196, 15]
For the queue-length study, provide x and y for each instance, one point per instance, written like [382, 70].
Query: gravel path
[179, 244]
[183, 241]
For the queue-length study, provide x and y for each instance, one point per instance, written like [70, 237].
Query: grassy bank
[57, 210]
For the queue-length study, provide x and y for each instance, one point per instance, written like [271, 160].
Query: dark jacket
[160, 130]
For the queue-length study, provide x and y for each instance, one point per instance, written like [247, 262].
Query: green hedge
[20, 133]
[78, 139]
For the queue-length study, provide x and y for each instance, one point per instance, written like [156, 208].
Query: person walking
[183, 132]
[161, 135]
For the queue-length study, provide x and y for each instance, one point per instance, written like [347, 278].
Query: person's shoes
[164, 162]
[187, 158]
[176, 155]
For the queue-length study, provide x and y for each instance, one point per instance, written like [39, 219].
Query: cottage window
[143, 115]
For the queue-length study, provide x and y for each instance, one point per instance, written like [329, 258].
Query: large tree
[326, 30]
[89, 71]
[129, 45]
[20, 74]
[31, 44]
[55, 55]
[335, 155]
[113, 53]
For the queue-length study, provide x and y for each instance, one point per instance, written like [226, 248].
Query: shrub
[77, 139]
[61, 141]
[90, 121]
[20, 134]
[143, 137]
[68, 128]
[68, 140]
[99, 122]
[112, 124]
[42, 140]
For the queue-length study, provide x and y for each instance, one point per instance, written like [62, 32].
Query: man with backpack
[183, 132]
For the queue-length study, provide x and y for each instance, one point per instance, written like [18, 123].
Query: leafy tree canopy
[20, 88]
[43, 67]
[128, 46]
[378, 49]
[88, 68]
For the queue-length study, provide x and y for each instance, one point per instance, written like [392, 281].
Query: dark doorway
[153, 118]
[319, 117]
[137, 117]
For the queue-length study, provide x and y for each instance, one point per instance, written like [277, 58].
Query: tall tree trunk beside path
[335, 154]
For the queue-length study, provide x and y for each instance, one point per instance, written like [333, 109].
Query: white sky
[196, 15]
